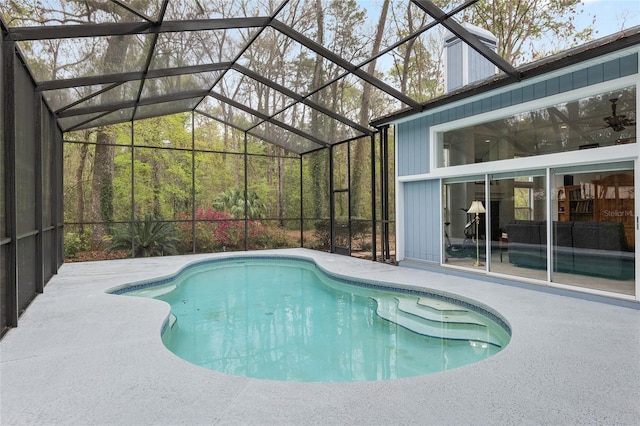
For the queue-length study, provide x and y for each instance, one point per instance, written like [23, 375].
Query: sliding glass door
[594, 227]
[518, 225]
[464, 222]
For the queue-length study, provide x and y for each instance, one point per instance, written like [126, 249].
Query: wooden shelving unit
[575, 204]
[606, 200]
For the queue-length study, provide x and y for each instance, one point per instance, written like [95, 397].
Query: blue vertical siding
[413, 155]
[422, 220]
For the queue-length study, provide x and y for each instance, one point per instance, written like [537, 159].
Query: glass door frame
[550, 208]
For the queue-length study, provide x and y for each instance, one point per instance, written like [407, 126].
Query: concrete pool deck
[81, 356]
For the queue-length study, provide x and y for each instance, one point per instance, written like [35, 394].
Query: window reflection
[593, 231]
[461, 247]
[591, 122]
[518, 225]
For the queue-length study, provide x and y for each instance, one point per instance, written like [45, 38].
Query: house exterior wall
[413, 153]
[420, 179]
[422, 219]
[413, 147]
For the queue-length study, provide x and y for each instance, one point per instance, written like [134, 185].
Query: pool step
[439, 305]
[153, 291]
[388, 309]
[458, 315]
[172, 320]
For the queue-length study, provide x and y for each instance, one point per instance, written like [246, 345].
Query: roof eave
[603, 46]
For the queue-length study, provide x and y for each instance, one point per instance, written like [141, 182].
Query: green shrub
[366, 246]
[360, 230]
[150, 237]
[72, 244]
[267, 237]
[322, 234]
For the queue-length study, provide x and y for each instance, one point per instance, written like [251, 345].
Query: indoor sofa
[591, 248]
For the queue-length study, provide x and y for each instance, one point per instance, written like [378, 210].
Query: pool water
[287, 320]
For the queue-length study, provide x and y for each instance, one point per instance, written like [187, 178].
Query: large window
[595, 121]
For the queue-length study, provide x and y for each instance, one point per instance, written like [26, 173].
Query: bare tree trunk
[407, 54]
[102, 187]
[318, 169]
[103, 169]
[155, 176]
[270, 159]
[84, 149]
[239, 162]
[225, 140]
[371, 67]
[362, 150]
[280, 204]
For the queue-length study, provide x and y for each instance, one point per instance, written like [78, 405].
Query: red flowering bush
[217, 231]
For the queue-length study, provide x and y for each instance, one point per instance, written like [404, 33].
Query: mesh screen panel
[26, 271]
[48, 254]
[4, 286]
[360, 172]
[316, 185]
[47, 158]
[271, 234]
[162, 184]
[25, 151]
[3, 217]
[216, 175]
[266, 175]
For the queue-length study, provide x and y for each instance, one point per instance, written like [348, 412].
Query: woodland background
[163, 181]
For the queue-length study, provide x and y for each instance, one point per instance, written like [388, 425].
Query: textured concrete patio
[81, 356]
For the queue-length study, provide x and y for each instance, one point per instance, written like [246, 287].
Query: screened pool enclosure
[158, 127]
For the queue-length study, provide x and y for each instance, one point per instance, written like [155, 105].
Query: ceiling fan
[617, 122]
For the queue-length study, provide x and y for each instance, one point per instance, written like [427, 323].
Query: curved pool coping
[82, 356]
[375, 284]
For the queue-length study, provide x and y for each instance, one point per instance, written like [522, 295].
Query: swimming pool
[285, 319]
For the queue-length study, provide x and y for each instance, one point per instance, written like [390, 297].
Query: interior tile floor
[81, 356]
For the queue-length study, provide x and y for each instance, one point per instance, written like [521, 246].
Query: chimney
[463, 65]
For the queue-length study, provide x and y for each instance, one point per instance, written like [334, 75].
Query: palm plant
[232, 201]
[150, 238]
